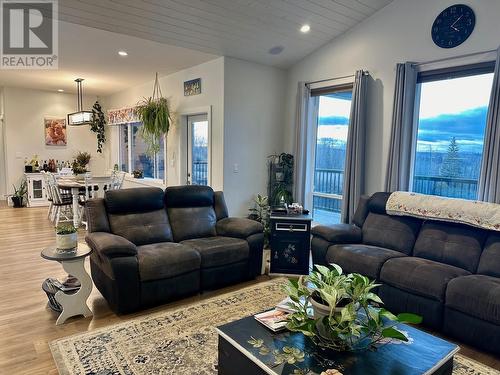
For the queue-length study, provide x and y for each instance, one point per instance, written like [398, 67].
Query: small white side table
[73, 304]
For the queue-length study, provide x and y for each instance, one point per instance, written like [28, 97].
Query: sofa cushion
[142, 228]
[364, 259]
[166, 259]
[219, 251]
[392, 232]
[454, 244]
[489, 264]
[192, 222]
[135, 200]
[476, 295]
[189, 196]
[191, 211]
[420, 276]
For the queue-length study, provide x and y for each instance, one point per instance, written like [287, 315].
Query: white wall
[399, 32]
[172, 86]
[253, 123]
[24, 111]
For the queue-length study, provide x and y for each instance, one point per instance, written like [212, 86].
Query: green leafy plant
[79, 165]
[98, 125]
[21, 190]
[83, 158]
[156, 117]
[62, 229]
[346, 312]
[260, 212]
[281, 179]
[138, 173]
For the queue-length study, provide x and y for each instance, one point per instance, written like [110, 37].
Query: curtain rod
[455, 57]
[334, 79]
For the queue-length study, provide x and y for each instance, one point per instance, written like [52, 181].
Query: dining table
[74, 185]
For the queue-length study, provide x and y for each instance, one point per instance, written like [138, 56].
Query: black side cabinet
[290, 244]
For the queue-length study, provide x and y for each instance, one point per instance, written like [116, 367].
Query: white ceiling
[93, 55]
[245, 29]
[170, 35]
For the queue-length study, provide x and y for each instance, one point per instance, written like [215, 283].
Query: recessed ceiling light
[305, 28]
[122, 53]
[60, 90]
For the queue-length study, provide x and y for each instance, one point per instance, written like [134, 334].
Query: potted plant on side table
[66, 237]
[19, 194]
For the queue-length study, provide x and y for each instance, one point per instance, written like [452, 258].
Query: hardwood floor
[27, 325]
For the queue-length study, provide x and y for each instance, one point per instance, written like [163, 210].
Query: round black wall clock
[453, 26]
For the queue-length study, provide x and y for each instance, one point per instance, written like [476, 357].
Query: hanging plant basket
[155, 115]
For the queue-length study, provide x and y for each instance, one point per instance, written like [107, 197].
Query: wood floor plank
[27, 325]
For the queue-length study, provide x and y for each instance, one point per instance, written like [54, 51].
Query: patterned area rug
[178, 341]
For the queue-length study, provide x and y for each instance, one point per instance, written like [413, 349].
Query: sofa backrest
[139, 215]
[393, 232]
[489, 264]
[458, 245]
[191, 211]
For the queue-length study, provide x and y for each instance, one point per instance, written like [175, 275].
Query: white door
[198, 150]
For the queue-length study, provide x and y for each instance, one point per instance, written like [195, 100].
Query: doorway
[198, 150]
[326, 166]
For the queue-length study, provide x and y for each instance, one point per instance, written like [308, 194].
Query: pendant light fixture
[80, 117]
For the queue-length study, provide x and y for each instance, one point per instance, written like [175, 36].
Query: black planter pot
[18, 201]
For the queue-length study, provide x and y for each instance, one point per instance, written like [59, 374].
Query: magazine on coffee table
[273, 319]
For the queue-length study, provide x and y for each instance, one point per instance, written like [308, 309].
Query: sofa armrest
[110, 244]
[338, 233]
[238, 227]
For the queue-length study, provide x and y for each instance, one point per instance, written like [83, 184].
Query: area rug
[178, 341]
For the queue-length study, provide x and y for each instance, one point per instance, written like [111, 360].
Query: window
[452, 108]
[198, 149]
[133, 153]
[330, 150]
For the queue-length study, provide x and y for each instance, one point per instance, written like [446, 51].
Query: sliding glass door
[327, 177]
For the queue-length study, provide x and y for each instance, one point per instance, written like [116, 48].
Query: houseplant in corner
[19, 194]
[66, 237]
[346, 313]
[156, 117]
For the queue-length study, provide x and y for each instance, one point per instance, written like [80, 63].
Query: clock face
[453, 26]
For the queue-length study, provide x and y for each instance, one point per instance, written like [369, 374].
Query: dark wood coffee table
[424, 354]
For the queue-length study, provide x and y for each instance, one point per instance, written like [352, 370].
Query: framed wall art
[55, 131]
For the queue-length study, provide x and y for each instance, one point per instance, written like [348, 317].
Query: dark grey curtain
[301, 132]
[355, 150]
[399, 162]
[489, 180]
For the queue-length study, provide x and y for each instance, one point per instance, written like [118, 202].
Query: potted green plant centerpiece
[156, 117]
[66, 237]
[346, 314]
[19, 194]
[79, 167]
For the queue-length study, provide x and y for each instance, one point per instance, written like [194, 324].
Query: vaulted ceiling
[166, 36]
[245, 29]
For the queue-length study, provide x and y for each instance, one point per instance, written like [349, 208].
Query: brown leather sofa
[449, 273]
[152, 246]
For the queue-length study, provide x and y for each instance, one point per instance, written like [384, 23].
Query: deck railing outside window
[200, 173]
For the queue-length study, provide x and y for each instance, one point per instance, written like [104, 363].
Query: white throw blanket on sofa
[479, 214]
